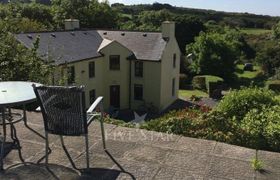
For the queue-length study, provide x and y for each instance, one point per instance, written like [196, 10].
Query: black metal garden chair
[64, 114]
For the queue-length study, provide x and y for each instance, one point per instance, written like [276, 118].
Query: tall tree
[91, 13]
[187, 28]
[214, 54]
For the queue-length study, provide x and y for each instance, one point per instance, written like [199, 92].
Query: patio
[138, 154]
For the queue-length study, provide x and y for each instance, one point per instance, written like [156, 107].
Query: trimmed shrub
[215, 90]
[213, 79]
[199, 82]
[239, 102]
[274, 85]
[202, 82]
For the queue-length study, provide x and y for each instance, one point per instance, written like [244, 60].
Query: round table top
[13, 93]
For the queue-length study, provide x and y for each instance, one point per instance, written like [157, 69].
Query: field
[254, 31]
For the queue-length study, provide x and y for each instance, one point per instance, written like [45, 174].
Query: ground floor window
[138, 92]
[92, 96]
[173, 87]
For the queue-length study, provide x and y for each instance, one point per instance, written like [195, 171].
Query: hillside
[242, 20]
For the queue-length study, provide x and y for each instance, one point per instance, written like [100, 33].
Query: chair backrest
[63, 109]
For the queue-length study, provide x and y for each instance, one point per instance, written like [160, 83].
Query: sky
[264, 7]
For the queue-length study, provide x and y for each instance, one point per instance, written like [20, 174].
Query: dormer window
[114, 62]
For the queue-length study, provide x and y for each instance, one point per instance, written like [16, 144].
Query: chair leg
[102, 132]
[67, 153]
[47, 147]
[87, 151]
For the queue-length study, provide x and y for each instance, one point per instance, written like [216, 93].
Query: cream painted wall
[150, 81]
[82, 76]
[168, 73]
[116, 77]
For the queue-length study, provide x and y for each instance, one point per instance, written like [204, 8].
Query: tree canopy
[214, 53]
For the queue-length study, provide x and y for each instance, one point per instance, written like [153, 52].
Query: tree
[276, 30]
[91, 13]
[213, 54]
[269, 57]
[187, 28]
[152, 20]
[18, 63]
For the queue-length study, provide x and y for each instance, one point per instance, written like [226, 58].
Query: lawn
[247, 74]
[254, 31]
[189, 93]
[248, 78]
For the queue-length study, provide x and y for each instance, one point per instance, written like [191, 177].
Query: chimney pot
[168, 29]
[71, 24]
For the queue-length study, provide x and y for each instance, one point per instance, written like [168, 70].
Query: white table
[14, 93]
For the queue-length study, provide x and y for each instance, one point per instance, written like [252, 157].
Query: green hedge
[202, 82]
[199, 82]
[238, 102]
[274, 85]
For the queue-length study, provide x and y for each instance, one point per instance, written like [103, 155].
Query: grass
[254, 31]
[189, 93]
[126, 15]
[247, 74]
[248, 78]
[213, 78]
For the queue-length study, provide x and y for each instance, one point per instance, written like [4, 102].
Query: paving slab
[228, 168]
[270, 162]
[188, 161]
[193, 145]
[235, 152]
[137, 170]
[146, 153]
[143, 136]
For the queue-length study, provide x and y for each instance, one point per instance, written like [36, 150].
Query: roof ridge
[82, 30]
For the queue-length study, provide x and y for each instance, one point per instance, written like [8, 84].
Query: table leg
[16, 141]
[40, 135]
[4, 139]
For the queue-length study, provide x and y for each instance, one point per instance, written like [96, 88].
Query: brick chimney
[71, 24]
[168, 29]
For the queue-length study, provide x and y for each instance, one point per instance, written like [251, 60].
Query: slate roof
[71, 46]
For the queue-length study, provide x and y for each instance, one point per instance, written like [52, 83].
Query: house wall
[150, 81]
[116, 77]
[82, 76]
[168, 73]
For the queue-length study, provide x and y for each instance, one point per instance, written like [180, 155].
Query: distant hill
[242, 20]
[46, 2]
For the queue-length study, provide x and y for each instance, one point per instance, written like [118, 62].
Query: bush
[177, 122]
[214, 79]
[263, 127]
[202, 82]
[272, 131]
[274, 85]
[199, 82]
[239, 102]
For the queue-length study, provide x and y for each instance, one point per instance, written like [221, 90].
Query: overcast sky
[265, 7]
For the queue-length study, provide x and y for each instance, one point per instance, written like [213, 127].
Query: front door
[115, 96]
